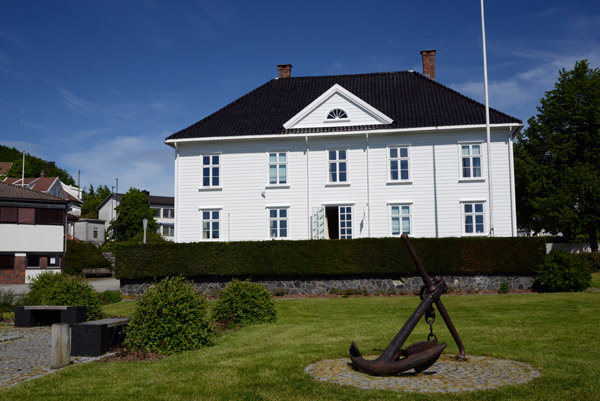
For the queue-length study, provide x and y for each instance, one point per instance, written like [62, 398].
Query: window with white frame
[95, 232]
[337, 114]
[210, 171]
[168, 231]
[401, 219]
[338, 166]
[277, 168]
[473, 218]
[278, 223]
[399, 163]
[168, 213]
[470, 157]
[345, 216]
[210, 224]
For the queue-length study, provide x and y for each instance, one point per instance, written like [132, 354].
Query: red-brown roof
[4, 166]
[14, 192]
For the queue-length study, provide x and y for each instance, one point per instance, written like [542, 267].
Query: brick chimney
[428, 63]
[285, 70]
[42, 174]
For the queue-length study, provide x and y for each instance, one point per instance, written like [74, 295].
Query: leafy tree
[557, 159]
[92, 199]
[33, 166]
[133, 208]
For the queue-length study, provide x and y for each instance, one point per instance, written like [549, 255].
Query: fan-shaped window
[336, 114]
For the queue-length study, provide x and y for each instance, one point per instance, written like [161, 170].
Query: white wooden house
[346, 156]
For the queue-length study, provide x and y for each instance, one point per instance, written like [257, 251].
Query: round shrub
[243, 302]
[51, 288]
[83, 255]
[170, 317]
[562, 273]
[109, 297]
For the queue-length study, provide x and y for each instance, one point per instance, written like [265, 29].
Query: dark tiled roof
[13, 192]
[409, 98]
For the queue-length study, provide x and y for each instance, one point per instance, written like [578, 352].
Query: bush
[83, 255]
[109, 297]
[170, 317]
[243, 302]
[592, 260]
[562, 272]
[383, 257]
[7, 301]
[58, 289]
[504, 287]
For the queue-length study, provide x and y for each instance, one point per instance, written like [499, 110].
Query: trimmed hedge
[330, 258]
[83, 255]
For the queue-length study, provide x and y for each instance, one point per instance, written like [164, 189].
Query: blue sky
[96, 86]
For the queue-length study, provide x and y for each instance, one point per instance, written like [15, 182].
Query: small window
[168, 213]
[8, 214]
[337, 114]
[210, 171]
[401, 219]
[278, 223]
[345, 217]
[7, 261]
[53, 260]
[474, 218]
[398, 162]
[95, 232]
[33, 260]
[168, 231]
[470, 156]
[210, 224]
[49, 216]
[338, 166]
[277, 168]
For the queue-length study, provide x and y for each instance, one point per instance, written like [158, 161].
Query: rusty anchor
[421, 355]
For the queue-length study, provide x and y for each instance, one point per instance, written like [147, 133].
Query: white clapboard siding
[435, 190]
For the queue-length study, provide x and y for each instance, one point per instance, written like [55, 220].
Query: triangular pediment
[337, 107]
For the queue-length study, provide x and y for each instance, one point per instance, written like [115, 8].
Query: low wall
[405, 285]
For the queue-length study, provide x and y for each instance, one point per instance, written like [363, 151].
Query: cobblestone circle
[447, 375]
[25, 353]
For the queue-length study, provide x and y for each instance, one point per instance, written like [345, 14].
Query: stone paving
[447, 375]
[25, 353]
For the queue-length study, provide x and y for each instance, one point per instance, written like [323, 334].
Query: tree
[557, 159]
[92, 199]
[133, 208]
[33, 166]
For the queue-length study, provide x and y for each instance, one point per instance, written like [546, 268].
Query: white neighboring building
[347, 156]
[163, 206]
[33, 227]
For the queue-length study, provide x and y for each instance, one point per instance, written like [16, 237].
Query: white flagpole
[487, 127]
[23, 172]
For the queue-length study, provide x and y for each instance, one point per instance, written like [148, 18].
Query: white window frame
[337, 163]
[168, 211]
[344, 230]
[211, 166]
[470, 157]
[211, 220]
[399, 159]
[278, 164]
[278, 219]
[464, 214]
[336, 120]
[401, 216]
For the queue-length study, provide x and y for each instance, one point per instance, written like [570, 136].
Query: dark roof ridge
[41, 195]
[463, 96]
[348, 75]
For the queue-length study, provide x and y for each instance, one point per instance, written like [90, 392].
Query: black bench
[37, 315]
[96, 337]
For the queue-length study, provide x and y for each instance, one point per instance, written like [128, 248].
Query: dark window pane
[403, 152]
[8, 214]
[206, 160]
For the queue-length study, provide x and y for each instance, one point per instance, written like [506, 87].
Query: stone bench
[36, 315]
[96, 337]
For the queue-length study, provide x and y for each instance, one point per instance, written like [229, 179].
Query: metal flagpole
[487, 127]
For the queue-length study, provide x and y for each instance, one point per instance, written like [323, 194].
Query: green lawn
[556, 333]
[595, 280]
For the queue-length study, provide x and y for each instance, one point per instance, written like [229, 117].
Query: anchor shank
[442, 309]
[410, 324]
[422, 272]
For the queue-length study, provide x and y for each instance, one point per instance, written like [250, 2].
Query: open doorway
[332, 222]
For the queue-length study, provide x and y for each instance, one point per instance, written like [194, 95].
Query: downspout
[368, 189]
[308, 214]
[175, 203]
[513, 201]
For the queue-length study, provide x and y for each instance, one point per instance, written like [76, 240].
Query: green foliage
[557, 158]
[133, 208]
[504, 288]
[92, 199]
[592, 260]
[33, 166]
[7, 301]
[109, 297]
[329, 258]
[244, 302]
[170, 317]
[51, 288]
[83, 255]
[562, 273]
